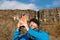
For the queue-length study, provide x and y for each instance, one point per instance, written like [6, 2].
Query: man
[33, 32]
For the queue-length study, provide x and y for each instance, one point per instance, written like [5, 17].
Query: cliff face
[49, 21]
[12, 13]
[8, 21]
[50, 14]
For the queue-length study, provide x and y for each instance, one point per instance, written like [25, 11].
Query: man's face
[33, 25]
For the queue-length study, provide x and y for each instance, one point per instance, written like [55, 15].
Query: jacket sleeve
[40, 36]
[16, 34]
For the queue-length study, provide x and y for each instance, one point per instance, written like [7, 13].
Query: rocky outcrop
[50, 14]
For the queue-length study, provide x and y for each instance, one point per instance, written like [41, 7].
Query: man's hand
[19, 25]
[26, 26]
[23, 22]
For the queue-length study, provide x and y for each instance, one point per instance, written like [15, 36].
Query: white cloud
[16, 5]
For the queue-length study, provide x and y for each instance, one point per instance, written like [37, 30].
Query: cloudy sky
[29, 4]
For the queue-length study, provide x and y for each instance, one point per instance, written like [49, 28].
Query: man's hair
[35, 21]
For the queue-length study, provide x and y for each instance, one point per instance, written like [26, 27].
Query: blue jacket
[36, 35]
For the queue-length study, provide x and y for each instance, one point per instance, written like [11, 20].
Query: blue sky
[29, 4]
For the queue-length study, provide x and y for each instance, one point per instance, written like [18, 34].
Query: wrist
[27, 29]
